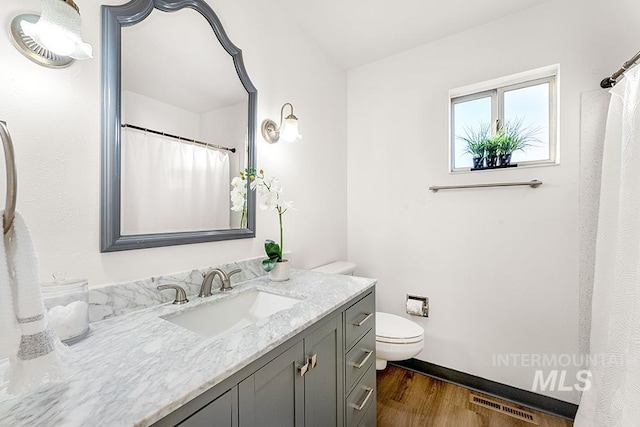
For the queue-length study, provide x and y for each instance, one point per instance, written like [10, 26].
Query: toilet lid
[395, 329]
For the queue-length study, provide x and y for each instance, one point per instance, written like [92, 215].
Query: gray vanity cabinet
[274, 395]
[324, 380]
[360, 357]
[322, 377]
[221, 412]
[300, 387]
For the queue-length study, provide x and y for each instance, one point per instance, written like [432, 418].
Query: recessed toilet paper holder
[417, 305]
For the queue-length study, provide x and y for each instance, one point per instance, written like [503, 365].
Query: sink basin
[232, 313]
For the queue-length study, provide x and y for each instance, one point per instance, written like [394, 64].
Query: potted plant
[513, 136]
[269, 198]
[476, 140]
[491, 148]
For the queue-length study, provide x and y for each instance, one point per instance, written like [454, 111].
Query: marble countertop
[134, 369]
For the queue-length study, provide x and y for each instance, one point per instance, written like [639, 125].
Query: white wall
[54, 118]
[499, 265]
[142, 111]
[227, 127]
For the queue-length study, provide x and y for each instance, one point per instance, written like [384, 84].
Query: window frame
[497, 116]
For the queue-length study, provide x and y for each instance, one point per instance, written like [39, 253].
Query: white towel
[40, 356]
[9, 328]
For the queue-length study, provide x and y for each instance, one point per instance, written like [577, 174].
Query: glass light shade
[289, 131]
[58, 30]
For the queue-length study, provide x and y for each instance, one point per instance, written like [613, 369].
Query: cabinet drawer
[359, 358]
[360, 317]
[361, 398]
[369, 418]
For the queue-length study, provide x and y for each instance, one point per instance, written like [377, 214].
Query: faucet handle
[231, 273]
[226, 280]
[181, 295]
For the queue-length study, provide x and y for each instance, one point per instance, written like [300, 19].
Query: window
[526, 107]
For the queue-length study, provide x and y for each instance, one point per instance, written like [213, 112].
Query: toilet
[396, 337]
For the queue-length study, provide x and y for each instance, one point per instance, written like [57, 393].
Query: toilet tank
[338, 267]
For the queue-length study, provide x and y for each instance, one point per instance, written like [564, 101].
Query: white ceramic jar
[281, 271]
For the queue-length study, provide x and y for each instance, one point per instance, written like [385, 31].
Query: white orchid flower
[238, 182]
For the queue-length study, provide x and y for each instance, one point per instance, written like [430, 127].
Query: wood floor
[409, 399]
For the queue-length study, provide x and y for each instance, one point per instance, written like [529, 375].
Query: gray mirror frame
[113, 19]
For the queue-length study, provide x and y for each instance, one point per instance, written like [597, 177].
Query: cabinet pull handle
[364, 402]
[303, 369]
[363, 321]
[313, 360]
[361, 364]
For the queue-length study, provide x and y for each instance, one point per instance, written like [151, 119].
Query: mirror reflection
[184, 115]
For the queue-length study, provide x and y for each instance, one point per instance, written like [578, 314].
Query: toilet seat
[397, 330]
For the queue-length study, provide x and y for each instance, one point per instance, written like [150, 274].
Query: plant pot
[492, 161]
[505, 159]
[478, 162]
[281, 271]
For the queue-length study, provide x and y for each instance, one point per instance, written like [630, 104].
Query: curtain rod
[181, 138]
[608, 82]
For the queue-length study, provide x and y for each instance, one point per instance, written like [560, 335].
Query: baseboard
[523, 397]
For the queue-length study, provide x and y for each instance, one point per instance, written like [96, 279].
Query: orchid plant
[269, 193]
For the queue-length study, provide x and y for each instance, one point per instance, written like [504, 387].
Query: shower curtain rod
[608, 82]
[180, 138]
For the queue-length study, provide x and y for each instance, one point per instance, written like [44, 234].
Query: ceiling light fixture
[286, 131]
[52, 39]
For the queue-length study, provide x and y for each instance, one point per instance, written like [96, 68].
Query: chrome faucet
[205, 289]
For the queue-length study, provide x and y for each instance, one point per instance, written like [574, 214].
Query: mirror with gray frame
[178, 123]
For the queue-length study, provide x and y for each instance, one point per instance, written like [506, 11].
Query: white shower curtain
[172, 186]
[613, 400]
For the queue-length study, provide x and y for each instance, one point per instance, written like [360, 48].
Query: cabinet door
[219, 413]
[323, 382]
[274, 394]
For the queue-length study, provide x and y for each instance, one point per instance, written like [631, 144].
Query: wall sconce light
[286, 131]
[53, 38]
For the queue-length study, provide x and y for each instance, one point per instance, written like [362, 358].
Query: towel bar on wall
[533, 184]
[10, 201]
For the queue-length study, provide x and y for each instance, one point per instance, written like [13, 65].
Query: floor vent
[509, 410]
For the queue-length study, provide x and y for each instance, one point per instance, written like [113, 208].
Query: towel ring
[10, 201]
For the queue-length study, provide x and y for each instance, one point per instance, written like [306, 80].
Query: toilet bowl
[396, 337]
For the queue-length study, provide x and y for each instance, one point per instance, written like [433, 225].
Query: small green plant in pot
[270, 198]
[491, 150]
[514, 136]
[476, 139]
